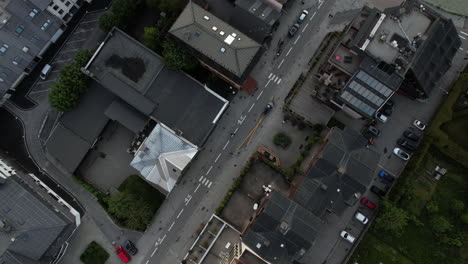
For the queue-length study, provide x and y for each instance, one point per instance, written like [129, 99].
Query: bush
[391, 218]
[282, 140]
[432, 207]
[94, 254]
[457, 206]
[151, 38]
[440, 224]
[107, 22]
[464, 218]
[176, 58]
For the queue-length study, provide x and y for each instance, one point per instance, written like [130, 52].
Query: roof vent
[323, 187]
[214, 28]
[197, 34]
[206, 18]
[221, 33]
[234, 34]
[259, 245]
[284, 227]
[223, 50]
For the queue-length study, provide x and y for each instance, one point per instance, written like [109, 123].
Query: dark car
[387, 111]
[130, 247]
[411, 136]
[368, 203]
[377, 190]
[386, 176]
[374, 130]
[293, 30]
[406, 145]
[370, 137]
[389, 104]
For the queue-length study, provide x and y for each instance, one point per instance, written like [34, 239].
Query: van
[45, 71]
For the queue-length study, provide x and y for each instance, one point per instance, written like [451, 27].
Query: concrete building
[65, 9]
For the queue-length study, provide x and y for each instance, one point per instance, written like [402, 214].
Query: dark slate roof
[260, 9]
[196, 28]
[345, 168]
[41, 4]
[283, 232]
[126, 115]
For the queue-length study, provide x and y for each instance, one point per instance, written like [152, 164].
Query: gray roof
[283, 232]
[215, 39]
[126, 115]
[32, 223]
[41, 4]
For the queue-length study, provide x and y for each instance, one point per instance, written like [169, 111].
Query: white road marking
[196, 189]
[464, 33]
[172, 225]
[204, 180]
[89, 21]
[41, 91]
[79, 40]
[279, 81]
[319, 5]
[267, 83]
[227, 143]
[209, 185]
[279, 66]
[312, 16]
[207, 182]
[84, 30]
[235, 131]
[305, 27]
[269, 76]
[187, 200]
[272, 77]
[181, 211]
[219, 155]
[208, 172]
[201, 178]
[461, 36]
[297, 39]
[250, 109]
[68, 51]
[47, 81]
[258, 97]
[165, 235]
[152, 254]
[147, 261]
[241, 120]
[276, 79]
[186, 255]
[289, 51]
[55, 62]
[461, 48]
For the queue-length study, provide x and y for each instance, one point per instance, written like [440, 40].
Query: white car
[381, 117]
[361, 218]
[420, 125]
[348, 237]
[401, 154]
[302, 16]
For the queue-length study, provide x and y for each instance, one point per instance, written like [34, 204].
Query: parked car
[302, 16]
[420, 125]
[123, 255]
[374, 130]
[377, 190]
[361, 218]
[293, 30]
[401, 154]
[348, 237]
[130, 247]
[381, 117]
[368, 203]
[387, 111]
[389, 104]
[370, 137]
[410, 135]
[406, 145]
[386, 176]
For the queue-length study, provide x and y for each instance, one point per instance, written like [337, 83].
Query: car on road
[411, 136]
[368, 203]
[374, 130]
[347, 236]
[401, 154]
[377, 190]
[386, 176]
[420, 125]
[302, 16]
[123, 255]
[130, 247]
[268, 108]
[381, 117]
[406, 145]
[361, 218]
[293, 30]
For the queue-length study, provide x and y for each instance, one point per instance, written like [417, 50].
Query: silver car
[401, 154]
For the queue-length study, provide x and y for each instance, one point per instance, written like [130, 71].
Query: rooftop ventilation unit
[206, 18]
[223, 50]
[214, 28]
[229, 39]
[221, 33]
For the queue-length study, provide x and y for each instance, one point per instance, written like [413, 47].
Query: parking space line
[297, 39]
[385, 169]
[461, 36]
[89, 21]
[289, 51]
[463, 32]
[41, 91]
[84, 30]
[47, 81]
[79, 40]
[461, 48]
[69, 51]
[55, 62]
[305, 27]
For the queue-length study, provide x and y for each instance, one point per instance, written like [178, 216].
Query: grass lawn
[137, 186]
[373, 251]
[456, 129]
[94, 254]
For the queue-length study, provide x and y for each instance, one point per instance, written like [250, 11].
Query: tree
[440, 224]
[151, 38]
[432, 207]
[107, 22]
[176, 58]
[121, 204]
[457, 206]
[168, 6]
[392, 219]
[121, 13]
[464, 218]
[131, 210]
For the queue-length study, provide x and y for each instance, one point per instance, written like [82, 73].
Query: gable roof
[215, 39]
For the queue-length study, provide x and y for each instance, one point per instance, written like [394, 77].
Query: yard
[456, 129]
[94, 254]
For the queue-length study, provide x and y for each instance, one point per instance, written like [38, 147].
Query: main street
[203, 186]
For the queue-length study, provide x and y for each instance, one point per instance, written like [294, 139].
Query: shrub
[282, 140]
[391, 218]
[94, 254]
[176, 58]
[107, 22]
[440, 224]
[432, 207]
[464, 218]
[457, 206]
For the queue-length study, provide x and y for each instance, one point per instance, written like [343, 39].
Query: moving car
[348, 237]
[405, 144]
[361, 218]
[130, 247]
[123, 255]
[367, 203]
[268, 108]
[377, 190]
[410, 135]
[302, 16]
[420, 125]
[401, 154]
[381, 117]
[293, 30]
[386, 176]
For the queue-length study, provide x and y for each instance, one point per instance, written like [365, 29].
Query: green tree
[177, 59]
[392, 219]
[151, 38]
[94, 254]
[121, 13]
[440, 224]
[168, 6]
[432, 207]
[130, 210]
[107, 22]
[457, 206]
[464, 218]
[121, 204]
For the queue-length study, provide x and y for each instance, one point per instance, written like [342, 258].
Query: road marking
[181, 211]
[319, 5]
[41, 91]
[267, 83]
[227, 143]
[69, 51]
[204, 180]
[147, 262]
[201, 178]
[297, 39]
[235, 131]
[55, 71]
[187, 201]
[258, 97]
[279, 66]
[196, 189]
[279, 81]
[241, 120]
[250, 109]
[269, 76]
[89, 21]
[207, 182]
[55, 62]
[464, 33]
[79, 40]
[289, 51]
[461, 48]
[312, 16]
[172, 225]
[186, 255]
[47, 81]
[305, 27]
[209, 185]
[276, 79]
[461, 36]
[209, 170]
[152, 254]
[84, 30]
[219, 155]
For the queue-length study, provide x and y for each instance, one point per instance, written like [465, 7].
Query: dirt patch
[132, 67]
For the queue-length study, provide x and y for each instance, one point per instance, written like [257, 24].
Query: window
[33, 13]
[68, 3]
[60, 11]
[35, 39]
[5, 73]
[46, 25]
[17, 60]
[19, 30]
[3, 49]
[55, 7]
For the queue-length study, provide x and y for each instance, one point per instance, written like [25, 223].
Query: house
[220, 47]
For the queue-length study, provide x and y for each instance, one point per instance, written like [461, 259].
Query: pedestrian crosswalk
[276, 79]
[204, 181]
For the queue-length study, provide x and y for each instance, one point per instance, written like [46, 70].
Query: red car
[366, 202]
[123, 255]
